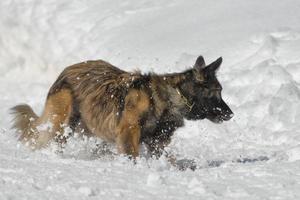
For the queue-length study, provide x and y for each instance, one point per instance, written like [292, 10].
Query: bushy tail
[24, 121]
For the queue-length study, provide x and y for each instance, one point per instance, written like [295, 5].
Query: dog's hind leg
[39, 131]
[57, 114]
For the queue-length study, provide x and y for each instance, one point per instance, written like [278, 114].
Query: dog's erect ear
[215, 65]
[200, 63]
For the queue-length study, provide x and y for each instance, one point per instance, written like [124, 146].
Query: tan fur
[129, 131]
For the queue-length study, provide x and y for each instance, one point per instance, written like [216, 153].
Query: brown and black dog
[98, 99]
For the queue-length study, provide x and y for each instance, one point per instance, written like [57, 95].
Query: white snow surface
[260, 45]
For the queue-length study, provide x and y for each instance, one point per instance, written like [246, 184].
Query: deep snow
[260, 44]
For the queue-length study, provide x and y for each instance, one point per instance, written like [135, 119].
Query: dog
[98, 99]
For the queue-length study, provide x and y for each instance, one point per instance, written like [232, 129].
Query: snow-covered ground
[254, 156]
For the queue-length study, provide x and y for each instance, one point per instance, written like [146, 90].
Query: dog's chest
[154, 128]
[149, 124]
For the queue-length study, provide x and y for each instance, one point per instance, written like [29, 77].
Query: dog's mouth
[214, 116]
[195, 114]
[218, 119]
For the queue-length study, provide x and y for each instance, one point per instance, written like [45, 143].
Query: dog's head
[201, 92]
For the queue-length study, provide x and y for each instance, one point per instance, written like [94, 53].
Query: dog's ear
[200, 63]
[214, 65]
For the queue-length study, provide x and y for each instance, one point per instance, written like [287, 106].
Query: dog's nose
[228, 115]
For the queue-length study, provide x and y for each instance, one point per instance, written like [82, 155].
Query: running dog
[98, 99]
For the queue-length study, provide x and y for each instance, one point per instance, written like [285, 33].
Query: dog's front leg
[128, 140]
[129, 129]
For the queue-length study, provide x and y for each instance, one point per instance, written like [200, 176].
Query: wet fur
[98, 99]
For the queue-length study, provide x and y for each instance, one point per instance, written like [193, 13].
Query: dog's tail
[24, 122]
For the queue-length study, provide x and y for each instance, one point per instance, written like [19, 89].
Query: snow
[253, 156]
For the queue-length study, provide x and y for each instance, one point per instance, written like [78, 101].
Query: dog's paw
[185, 164]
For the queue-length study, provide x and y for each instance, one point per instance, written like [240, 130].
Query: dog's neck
[188, 104]
[167, 95]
